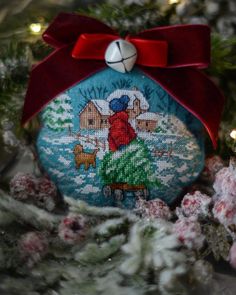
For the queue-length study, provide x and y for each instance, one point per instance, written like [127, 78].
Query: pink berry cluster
[224, 209]
[213, 164]
[33, 246]
[153, 209]
[40, 191]
[189, 233]
[194, 204]
[188, 229]
[73, 228]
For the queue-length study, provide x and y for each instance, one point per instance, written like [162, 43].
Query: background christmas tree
[58, 114]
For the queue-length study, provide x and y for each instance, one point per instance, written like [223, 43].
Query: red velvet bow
[178, 74]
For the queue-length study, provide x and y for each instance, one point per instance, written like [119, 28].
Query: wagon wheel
[139, 194]
[145, 193]
[107, 191]
[118, 194]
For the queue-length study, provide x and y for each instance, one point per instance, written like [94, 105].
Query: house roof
[148, 116]
[102, 106]
[133, 94]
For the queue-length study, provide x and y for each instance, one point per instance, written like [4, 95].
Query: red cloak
[120, 131]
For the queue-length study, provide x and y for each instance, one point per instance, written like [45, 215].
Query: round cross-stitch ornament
[110, 137]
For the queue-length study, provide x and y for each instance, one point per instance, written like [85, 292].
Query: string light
[35, 28]
[174, 2]
[233, 134]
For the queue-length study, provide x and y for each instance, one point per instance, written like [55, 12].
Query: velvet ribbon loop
[175, 69]
[151, 53]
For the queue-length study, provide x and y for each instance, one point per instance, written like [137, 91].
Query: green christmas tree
[57, 116]
[131, 165]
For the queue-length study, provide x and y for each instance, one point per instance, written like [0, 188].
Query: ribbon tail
[195, 92]
[59, 71]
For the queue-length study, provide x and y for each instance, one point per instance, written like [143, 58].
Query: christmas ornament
[33, 246]
[188, 231]
[109, 137]
[196, 204]
[73, 229]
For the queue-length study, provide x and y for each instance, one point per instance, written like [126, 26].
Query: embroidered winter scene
[115, 137]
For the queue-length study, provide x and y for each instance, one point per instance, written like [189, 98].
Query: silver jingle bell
[121, 56]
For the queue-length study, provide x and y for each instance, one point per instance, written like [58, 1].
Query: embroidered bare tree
[98, 92]
[122, 84]
[147, 91]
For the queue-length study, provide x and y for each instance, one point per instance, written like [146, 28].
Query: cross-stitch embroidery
[114, 137]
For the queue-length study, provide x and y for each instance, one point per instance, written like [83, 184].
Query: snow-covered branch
[29, 214]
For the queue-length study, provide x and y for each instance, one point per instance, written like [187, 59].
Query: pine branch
[80, 207]
[94, 253]
[29, 214]
[223, 55]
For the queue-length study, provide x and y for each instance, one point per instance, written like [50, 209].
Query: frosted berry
[213, 165]
[153, 209]
[72, 229]
[196, 204]
[225, 211]
[46, 194]
[33, 246]
[188, 231]
[23, 186]
[225, 182]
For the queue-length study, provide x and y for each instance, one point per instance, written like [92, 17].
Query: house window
[105, 121]
[101, 121]
[90, 122]
[146, 124]
[136, 103]
[89, 109]
[139, 122]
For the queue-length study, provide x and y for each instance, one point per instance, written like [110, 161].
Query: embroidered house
[147, 121]
[137, 104]
[95, 115]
